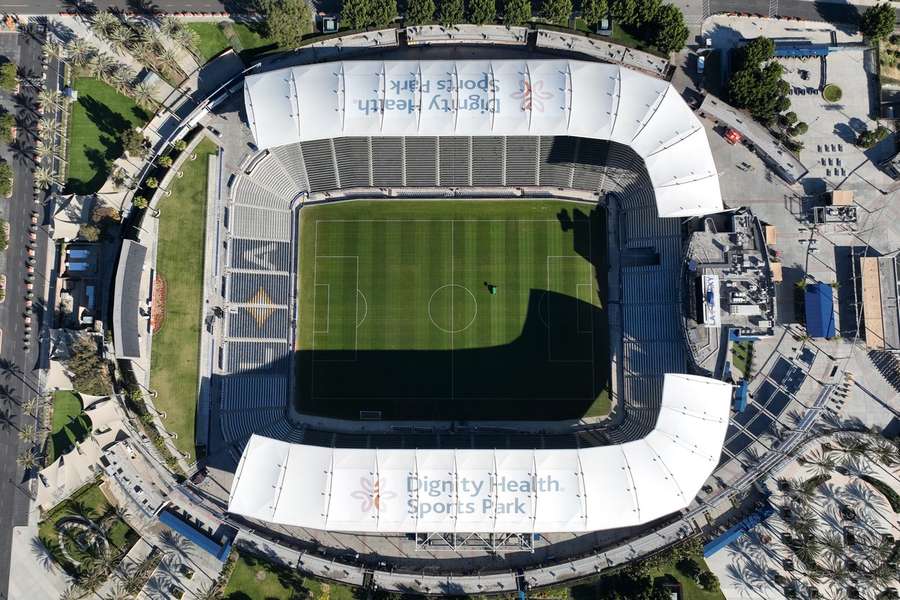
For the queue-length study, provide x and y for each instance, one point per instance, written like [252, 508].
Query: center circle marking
[468, 297]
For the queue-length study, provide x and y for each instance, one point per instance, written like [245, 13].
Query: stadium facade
[495, 98]
[492, 491]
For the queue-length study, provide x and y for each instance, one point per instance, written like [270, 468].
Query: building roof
[508, 491]
[820, 310]
[494, 98]
[127, 300]
[788, 166]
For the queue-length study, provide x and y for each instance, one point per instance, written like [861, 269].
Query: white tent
[508, 491]
[494, 98]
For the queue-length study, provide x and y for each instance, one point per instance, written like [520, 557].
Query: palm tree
[821, 460]
[188, 39]
[29, 405]
[72, 592]
[120, 78]
[120, 39]
[44, 178]
[26, 434]
[48, 128]
[118, 592]
[48, 98]
[208, 592]
[169, 26]
[28, 460]
[169, 58]
[142, 94]
[79, 51]
[103, 23]
[103, 65]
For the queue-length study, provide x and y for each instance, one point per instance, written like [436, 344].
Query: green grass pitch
[396, 312]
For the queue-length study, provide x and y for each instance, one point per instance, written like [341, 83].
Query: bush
[165, 161]
[689, 567]
[4, 238]
[832, 93]
[8, 78]
[708, 581]
[6, 179]
[7, 122]
[869, 138]
[90, 373]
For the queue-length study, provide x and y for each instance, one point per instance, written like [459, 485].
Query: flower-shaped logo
[370, 494]
[532, 95]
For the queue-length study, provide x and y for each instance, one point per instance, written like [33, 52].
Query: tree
[671, 32]
[758, 88]
[708, 581]
[356, 14]
[878, 21]
[635, 13]
[689, 567]
[152, 183]
[451, 12]
[383, 12]
[557, 11]
[420, 12]
[142, 94]
[134, 142]
[756, 51]
[26, 434]
[140, 202]
[593, 11]
[8, 78]
[90, 373]
[88, 232]
[516, 12]
[866, 139]
[44, 178]
[165, 161]
[482, 11]
[28, 460]
[287, 21]
[799, 129]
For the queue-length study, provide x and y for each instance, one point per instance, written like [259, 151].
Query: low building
[879, 291]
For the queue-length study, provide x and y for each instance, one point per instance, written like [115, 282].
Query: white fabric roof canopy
[508, 491]
[494, 98]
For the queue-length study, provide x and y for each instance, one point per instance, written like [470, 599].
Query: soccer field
[459, 310]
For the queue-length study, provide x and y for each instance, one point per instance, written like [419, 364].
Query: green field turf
[396, 313]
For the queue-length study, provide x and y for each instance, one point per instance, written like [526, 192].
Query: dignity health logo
[532, 95]
[370, 494]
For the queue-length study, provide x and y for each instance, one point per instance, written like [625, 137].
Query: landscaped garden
[254, 579]
[99, 119]
[176, 347]
[86, 536]
[69, 425]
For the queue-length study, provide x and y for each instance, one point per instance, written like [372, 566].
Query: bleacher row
[651, 346]
[451, 161]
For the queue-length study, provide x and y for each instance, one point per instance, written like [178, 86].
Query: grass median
[175, 360]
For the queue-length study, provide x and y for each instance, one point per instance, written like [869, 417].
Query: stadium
[451, 321]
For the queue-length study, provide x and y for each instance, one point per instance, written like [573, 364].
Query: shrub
[7, 122]
[832, 93]
[152, 183]
[90, 373]
[708, 581]
[8, 76]
[869, 138]
[6, 179]
[165, 161]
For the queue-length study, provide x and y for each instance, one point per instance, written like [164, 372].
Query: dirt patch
[158, 308]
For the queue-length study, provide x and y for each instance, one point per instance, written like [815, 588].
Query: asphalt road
[19, 367]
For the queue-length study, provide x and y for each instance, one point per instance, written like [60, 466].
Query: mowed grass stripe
[405, 366]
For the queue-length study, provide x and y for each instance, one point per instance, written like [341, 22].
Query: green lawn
[689, 588]
[97, 122]
[397, 314]
[176, 347]
[620, 36]
[254, 579]
[91, 503]
[69, 426]
[252, 41]
[212, 40]
[741, 355]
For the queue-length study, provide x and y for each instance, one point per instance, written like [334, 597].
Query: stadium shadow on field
[555, 369]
